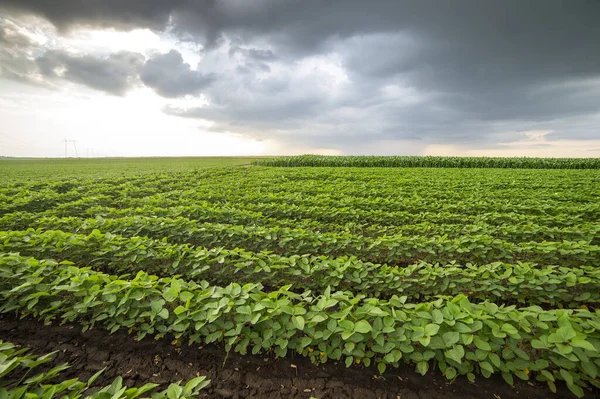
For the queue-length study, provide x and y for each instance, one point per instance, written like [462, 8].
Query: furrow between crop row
[16, 364]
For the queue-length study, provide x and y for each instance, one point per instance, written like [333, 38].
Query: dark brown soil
[245, 376]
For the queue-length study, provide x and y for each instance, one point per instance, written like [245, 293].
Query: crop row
[520, 282]
[376, 198]
[454, 242]
[393, 192]
[460, 337]
[331, 240]
[476, 248]
[346, 179]
[257, 200]
[378, 216]
[39, 196]
[429, 162]
[521, 193]
[290, 214]
[539, 206]
[275, 234]
[16, 364]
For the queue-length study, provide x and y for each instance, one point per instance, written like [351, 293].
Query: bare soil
[260, 376]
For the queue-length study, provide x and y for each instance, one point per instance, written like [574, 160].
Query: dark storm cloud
[474, 67]
[255, 54]
[169, 76]
[114, 74]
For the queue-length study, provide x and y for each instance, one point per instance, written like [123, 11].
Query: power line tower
[74, 142]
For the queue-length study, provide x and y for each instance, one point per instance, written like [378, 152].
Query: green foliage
[469, 337]
[430, 162]
[18, 169]
[522, 282]
[44, 385]
[365, 266]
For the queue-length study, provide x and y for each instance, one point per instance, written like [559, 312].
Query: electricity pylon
[74, 146]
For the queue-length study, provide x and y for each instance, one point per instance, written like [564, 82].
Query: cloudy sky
[237, 77]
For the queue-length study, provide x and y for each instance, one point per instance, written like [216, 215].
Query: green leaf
[566, 376]
[331, 325]
[462, 328]
[437, 316]
[164, 313]
[450, 373]
[179, 327]
[450, 338]
[346, 325]
[456, 353]
[362, 327]
[244, 310]
[508, 378]
[305, 341]
[566, 333]
[186, 296]
[576, 389]
[298, 322]
[174, 391]
[590, 368]
[179, 310]
[431, 329]
[547, 375]
[389, 358]
[495, 359]
[509, 328]
[521, 353]
[537, 344]
[486, 366]
[381, 367]
[481, 344]
[109, 297]
[170, 295]
[582, 343]
[157, 305]
[422, 367]
[195, 384]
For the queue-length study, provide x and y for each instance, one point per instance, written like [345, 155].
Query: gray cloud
[16, 66]
[169, 76]
[117, 14]
[16, 54]
[114, 74]
[255, 54]
[445, 72]
[12, 38]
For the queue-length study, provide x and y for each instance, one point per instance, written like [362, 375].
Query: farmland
[307, 281]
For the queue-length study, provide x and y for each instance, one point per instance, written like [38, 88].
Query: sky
[270, 77]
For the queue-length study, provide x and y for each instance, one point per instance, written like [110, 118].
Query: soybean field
[326, 278]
